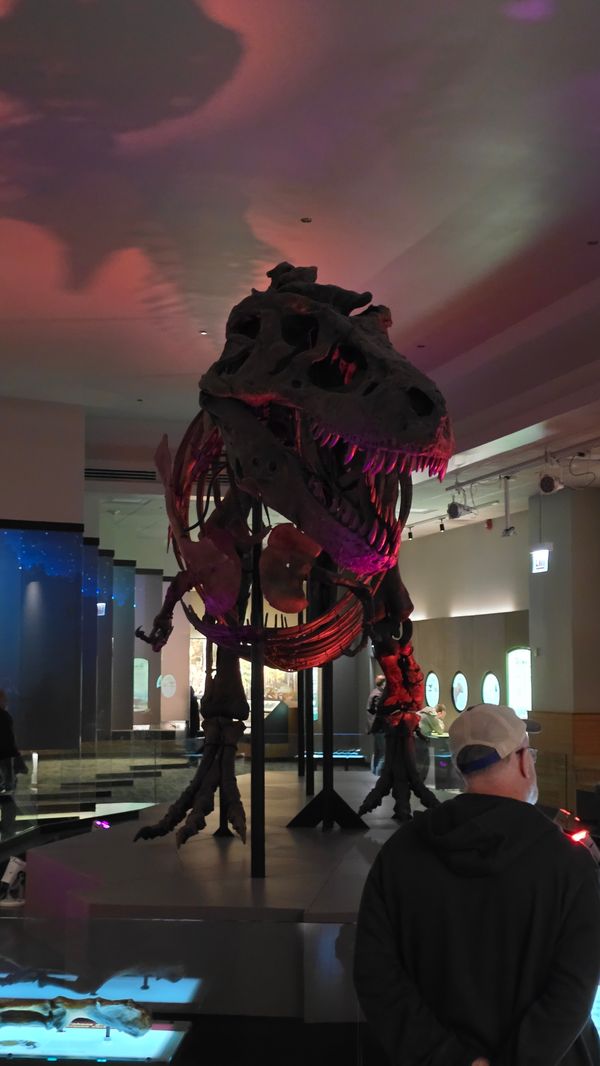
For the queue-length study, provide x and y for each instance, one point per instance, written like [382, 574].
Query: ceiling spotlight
[459, 510]
[442, 527]
[550, 484]
[204, 333]
[410, 534]
[306, 218]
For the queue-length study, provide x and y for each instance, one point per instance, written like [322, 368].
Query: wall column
[564, 623]
[123, 641]
[41, 570]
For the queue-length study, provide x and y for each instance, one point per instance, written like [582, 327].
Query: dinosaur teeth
[378, 462]
[381, 540]
[373, 533]
[351, 452]
[333, 440]
[393, 459]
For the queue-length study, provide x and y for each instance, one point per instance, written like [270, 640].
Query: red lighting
[579, 836]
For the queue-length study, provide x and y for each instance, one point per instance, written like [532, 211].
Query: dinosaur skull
[322, 418]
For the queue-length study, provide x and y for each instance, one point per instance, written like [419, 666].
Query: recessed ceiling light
[140, 399]
[204, 333]
[306, 218]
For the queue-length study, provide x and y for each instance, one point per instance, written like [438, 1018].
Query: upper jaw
[378, 457]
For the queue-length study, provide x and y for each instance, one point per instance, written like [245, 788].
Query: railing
[143, 768]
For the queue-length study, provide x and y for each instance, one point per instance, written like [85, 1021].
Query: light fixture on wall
[410, 534]
[442, 526]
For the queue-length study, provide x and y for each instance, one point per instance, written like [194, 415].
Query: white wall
[127, 542]
[43, 452]
[467, 570]
[175, 660]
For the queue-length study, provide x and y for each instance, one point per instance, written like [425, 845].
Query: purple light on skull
[529, 10]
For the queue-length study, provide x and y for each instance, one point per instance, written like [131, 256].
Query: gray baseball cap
[490, 726]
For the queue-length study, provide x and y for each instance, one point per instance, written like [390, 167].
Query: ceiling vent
[106, 474]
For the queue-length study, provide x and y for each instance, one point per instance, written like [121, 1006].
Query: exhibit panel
[89, 639]
[104, 608]
[459, 691]
[432, 689]
[518, 680]
[123, 644]
[41, 572]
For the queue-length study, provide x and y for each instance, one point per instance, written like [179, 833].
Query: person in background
[432, 722]
[8, 747]
[431, 725]
[378, 756]
[508, 971]
[194, 714]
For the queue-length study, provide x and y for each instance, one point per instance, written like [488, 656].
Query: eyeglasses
[532, 751]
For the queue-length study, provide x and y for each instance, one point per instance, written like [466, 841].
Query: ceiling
[157, 158]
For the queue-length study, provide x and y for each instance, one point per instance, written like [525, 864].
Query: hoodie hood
[475, 836]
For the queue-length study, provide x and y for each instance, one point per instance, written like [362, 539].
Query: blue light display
[40, 634]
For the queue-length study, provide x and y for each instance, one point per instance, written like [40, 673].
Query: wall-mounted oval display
[432, 689]
[490, 689]
[460, 691]
[518, 676]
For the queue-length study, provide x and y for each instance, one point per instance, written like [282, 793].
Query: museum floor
[248, 963]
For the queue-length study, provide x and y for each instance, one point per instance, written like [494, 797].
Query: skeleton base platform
[278, 947]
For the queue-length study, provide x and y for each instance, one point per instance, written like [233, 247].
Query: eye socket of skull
[343, 367]
[300, 331]
[246, 324]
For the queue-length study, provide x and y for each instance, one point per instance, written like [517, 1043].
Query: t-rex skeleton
[312, 411]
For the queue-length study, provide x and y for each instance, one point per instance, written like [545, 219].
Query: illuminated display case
[460, 691]
[518, 678]
[432, 689]
[490, 689]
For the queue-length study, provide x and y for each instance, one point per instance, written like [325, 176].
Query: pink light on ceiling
[529, 10]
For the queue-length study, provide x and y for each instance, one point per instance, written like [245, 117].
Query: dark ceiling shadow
[119, 64]
[76, 74]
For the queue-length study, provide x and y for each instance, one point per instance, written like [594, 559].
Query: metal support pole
[257, 712]
[327, 717]
[300, 720]
[309, 733]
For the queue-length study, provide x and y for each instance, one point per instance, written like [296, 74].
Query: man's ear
[521, 756]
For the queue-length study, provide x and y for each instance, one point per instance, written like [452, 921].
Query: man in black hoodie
[478, 938]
